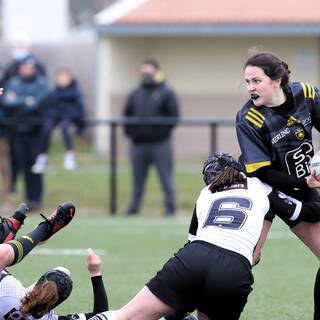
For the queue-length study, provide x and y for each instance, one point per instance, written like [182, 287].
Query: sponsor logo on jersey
[292, 120]
[306, 121]
[237, 185]
[298, 160]
[280, 135]
[300, 133]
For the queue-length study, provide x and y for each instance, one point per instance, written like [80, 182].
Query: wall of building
[207, 75]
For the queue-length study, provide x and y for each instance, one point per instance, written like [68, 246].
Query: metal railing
[213, 124]
[113, 123]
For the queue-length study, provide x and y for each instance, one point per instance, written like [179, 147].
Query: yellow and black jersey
[268, 137]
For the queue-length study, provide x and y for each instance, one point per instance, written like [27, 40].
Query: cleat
[59, 218]
[9, 227]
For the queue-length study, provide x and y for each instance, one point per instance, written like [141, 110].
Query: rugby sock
[19, 216]
[107, 315]
[23, 245]
[316, 315]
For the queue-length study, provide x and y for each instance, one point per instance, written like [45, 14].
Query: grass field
[133, 249]
[89, 184]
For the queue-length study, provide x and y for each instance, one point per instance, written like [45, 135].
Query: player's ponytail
[40, 300]
[225, 178]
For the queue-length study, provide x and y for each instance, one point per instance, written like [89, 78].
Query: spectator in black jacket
[23, 100]
[151, 144]
[64, 107]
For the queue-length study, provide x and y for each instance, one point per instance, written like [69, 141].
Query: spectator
[21, 50]
[22, 101]
[4, 160]
[151, 144]
[65, 106]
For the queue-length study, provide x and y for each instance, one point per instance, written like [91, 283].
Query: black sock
[23, 245]
[19, 216]
[316, 315]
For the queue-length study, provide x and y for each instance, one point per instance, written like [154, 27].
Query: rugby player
[39, 300]
[212, 273]
[274, 130]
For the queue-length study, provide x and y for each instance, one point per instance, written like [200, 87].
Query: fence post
[113, 169]
[213, 137]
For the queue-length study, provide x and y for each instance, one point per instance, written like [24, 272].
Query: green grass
[89, 184]
[135, 248]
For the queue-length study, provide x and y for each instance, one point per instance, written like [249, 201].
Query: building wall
[207, 75]
[209, 65]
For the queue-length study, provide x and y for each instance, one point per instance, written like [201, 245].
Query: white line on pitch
[65, 252]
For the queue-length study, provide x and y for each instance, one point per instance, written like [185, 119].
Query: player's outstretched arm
[100, 300]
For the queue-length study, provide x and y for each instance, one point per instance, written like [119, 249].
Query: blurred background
[201, 47]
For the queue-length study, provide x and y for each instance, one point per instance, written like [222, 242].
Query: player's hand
[1, 91]
[256, 257]
[312, 180]
[93, 263]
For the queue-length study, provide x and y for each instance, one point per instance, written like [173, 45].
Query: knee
[6, 255]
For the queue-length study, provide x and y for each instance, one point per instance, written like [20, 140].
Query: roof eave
[232, 29]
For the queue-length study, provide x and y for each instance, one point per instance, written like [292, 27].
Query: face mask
[19, 54]
[147, 79]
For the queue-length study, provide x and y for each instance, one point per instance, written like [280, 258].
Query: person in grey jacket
[23, 100]
[151, 144]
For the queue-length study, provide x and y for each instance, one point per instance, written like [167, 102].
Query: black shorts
[205, 277]
[304, 196]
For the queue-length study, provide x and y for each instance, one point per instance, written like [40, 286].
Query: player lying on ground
[13, 251]
[212, 273]
[38, 301]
